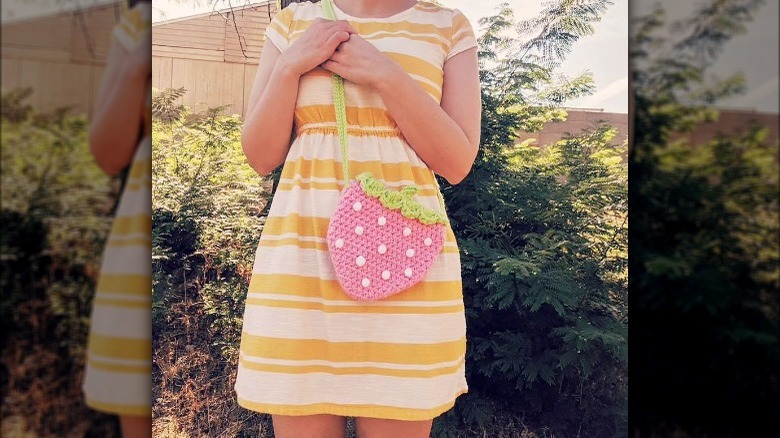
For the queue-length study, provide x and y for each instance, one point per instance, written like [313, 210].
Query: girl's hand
[360, 62]
[316, 44]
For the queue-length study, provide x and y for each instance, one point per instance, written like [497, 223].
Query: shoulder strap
[339, 103]
[341, 115]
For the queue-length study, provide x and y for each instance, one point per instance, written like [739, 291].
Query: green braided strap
[417, 211]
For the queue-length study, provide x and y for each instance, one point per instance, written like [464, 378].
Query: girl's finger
[334, 40]
[334, 67]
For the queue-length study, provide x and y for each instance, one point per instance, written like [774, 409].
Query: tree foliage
[543, 238]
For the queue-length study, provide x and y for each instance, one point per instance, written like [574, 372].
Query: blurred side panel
[704, 239]
[56, 212]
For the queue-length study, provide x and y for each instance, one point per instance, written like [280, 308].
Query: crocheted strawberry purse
[381, 241]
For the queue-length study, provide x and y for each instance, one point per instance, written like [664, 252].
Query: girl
[118, 374]
[310, 355]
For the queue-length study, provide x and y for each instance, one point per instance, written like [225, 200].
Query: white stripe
[460, 31]
[292, 260]
[425, 80]
[310, 388]
[279, 322]
[125, 297]
[296, 236]
[317, 90]
[397, 184]
[390, 366]
[276, 38]
[388, 150]
[122, 322]
[112, 387]
[283, 297]
[136, 260]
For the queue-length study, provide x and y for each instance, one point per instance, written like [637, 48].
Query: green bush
[56, 207]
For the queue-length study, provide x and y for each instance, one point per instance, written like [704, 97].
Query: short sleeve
[134, 25]
[278, 30]
[463, 37]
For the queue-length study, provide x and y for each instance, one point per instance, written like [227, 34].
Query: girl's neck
[373, 8]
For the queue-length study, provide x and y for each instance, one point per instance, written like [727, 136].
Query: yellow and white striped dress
[118, 376]
[306, 347]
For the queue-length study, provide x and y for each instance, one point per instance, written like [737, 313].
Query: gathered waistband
[332, 129]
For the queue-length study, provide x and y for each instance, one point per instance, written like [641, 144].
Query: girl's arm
[113, 132]
[445, 135]
[265, 137]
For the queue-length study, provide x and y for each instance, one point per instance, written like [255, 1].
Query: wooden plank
[250, 20]
[10, 73]
[250, 71]
[29, 34]
[96, 74]
[192, 43]
[92, 32]
[212, 26]
[238, 59]
[46, 80]
[188, 53]
[35, 54]
[161, 72]
[182, 33]
[210, 84]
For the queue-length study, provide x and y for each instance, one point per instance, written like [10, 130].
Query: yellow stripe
[309, 226]
[140, 169]
[426, 38]
[120, 348]
[304, 369]
[386, 352]
[306, 305]
[128, 304]
[392, 412]
[117, 368]
[314, 287]
[139, 186]
[117, 241]
[276, 26]
[392, 172]
[128, 284]
[322, 246]
[136, 224]
[128, 30]
[360, 116]
[111, 408]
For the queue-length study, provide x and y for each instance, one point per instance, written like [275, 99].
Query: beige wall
[576, 121]
[73, 48]
[734, 121]
[213, 56]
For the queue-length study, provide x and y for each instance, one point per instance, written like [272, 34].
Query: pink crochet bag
[381, 241]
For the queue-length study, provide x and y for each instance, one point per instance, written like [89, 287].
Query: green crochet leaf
[402, 201]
